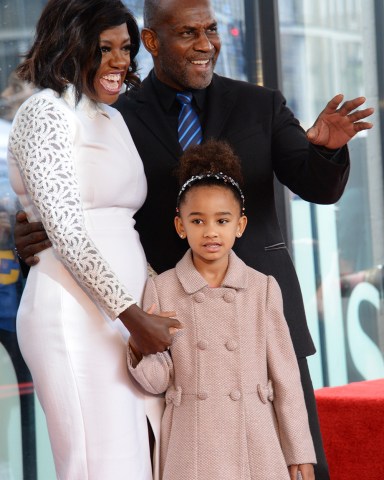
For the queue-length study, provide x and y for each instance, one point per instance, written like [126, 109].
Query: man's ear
[150, 41]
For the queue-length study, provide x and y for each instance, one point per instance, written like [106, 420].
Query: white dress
[77, 170]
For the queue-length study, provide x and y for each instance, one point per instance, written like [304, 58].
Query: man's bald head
[152, 12]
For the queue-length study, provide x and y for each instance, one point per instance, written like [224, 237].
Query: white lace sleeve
[42, 143]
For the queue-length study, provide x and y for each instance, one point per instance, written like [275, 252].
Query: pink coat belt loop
[173, 395]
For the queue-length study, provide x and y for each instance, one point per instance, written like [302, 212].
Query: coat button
[199, 297]
[202, 344]
[231, 345]
[235, 395]
[202, 395]
[229, 296]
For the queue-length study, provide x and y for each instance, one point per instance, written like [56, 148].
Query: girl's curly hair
[211, 157]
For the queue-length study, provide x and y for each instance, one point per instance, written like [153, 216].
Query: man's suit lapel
[220, 102]
[150, 113]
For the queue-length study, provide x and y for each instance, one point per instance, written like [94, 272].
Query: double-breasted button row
[228, 296]
[202, 344]
[202, 395]
[199, 297]
[229, 345]
[234, 395]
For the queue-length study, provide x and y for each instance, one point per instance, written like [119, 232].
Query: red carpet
[352, 425]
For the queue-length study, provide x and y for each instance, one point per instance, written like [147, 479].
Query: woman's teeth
[111, 82]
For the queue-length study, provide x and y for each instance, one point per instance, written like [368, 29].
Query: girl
[234, 402]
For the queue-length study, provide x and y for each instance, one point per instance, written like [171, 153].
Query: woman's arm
[42, 143]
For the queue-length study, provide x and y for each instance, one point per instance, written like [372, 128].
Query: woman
[74, 166]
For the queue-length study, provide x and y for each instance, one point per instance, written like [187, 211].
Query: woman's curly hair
[66, 44]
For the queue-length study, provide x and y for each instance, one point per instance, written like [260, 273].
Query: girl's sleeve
[153, 372]
[288, 397]
[42, 142]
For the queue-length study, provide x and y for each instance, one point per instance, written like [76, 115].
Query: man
[182, 37]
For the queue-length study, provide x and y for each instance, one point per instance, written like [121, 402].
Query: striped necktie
[189, 128]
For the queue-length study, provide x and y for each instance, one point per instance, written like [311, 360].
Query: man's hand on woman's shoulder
[30, 239]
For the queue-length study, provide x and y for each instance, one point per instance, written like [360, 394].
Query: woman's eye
[105, 49]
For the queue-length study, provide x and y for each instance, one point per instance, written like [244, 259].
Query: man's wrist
[329, 152]
[336, 156]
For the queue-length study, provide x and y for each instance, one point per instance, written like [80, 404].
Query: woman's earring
[238, 234]
[181, 235]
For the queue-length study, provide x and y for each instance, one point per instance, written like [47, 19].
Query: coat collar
[191, 280]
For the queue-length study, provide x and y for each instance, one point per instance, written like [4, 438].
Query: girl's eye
[223, 221]
[197, 221]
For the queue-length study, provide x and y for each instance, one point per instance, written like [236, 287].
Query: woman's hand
[150, 333]
[30, 239]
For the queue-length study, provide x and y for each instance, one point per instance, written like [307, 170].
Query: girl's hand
[301, 472]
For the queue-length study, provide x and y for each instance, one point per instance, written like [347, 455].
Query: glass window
[328, 48]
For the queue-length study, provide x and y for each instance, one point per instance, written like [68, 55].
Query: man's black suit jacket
[268, 140]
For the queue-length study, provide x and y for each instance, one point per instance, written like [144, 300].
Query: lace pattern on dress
[41, 141]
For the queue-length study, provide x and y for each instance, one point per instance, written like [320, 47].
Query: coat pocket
[276, 246]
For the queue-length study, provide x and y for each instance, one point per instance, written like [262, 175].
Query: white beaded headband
[217, 176]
